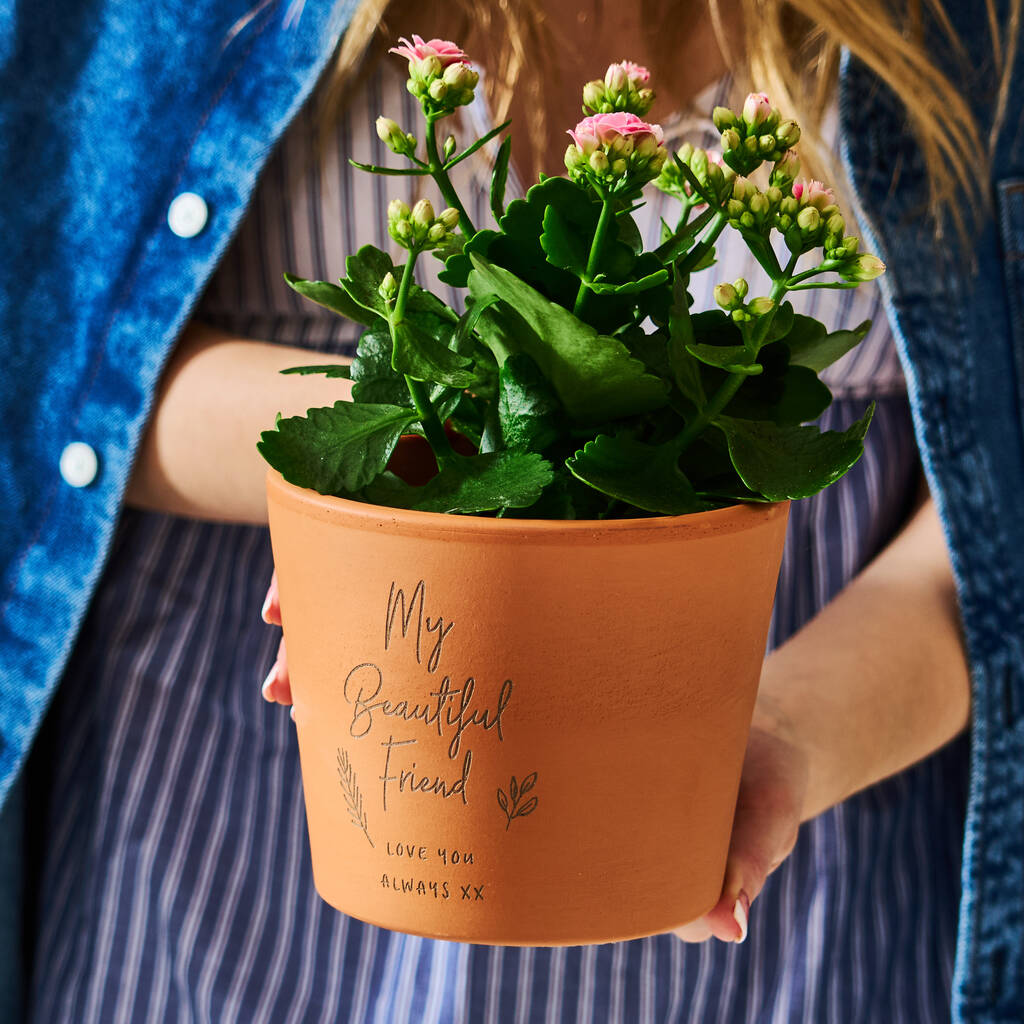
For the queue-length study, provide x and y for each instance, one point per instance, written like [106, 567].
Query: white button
[187, 215]
[78, 464]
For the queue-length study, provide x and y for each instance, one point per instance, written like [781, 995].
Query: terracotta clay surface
[521, 732]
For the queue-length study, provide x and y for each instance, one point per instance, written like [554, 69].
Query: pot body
[521, 732]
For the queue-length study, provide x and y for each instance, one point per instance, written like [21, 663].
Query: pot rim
[362, 515]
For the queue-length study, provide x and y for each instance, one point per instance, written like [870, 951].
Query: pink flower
[445, 51]
[813, 193]
[608, 129]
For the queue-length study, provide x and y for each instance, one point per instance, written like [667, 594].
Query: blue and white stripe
[174, 880]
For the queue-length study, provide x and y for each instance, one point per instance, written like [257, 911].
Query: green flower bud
[593, 95]
[759, 205]
[449, 218]
[599, 161]
[760, 306]
[573, 157]
[437, 90]
[724, 119]
[423, 213]
[388, 287]
[619, 167]
[850, 245]
[397, 210]
[449, 146]
[725, 295]
[731, 139]
[809, 220]
[437, 233]
[766, 144]
[735, 209]
[788, 134]
[863, 268]
[741, 287]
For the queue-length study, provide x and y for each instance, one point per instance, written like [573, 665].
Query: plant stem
[731, 384]
[604, 222]
[443, 182]
[418, 390]
[704, 246]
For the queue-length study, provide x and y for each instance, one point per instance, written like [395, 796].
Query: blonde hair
[789, 52]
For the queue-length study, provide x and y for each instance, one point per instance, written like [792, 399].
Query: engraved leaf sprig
[512, 804]
[353, 796]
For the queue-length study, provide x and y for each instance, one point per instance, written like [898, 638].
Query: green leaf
[785, 394]
[731, 358]
[335, 449]
[331, 297]
[528, 410]
[419, 355]
[563, 246]
[792, 462]
[340, 370]
[374, 378]
[482, 141]
[685, 370]
[457, 267]
[594, 375]
[394, 172]
[365, 271]
[629, 287]
[478, 483]
[809, 344]
[499, 178]
[639, 474]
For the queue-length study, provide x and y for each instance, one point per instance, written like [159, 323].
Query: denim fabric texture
[110, 110]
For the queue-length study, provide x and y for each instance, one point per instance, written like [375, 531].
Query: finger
[277, 686]
[271, 610]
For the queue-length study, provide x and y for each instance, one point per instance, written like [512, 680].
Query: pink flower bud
[615, 78]
[813, 193]
[756, 109]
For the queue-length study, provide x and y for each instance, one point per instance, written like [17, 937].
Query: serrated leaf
[335, 449]
[367, 268]
[639, 474]
[418, 355]
[478, 483]
[499, 178]
[528, 410]
[811, 346]
[785, 394]
[375, 380]
[594, 375]
[563, 247]
[731, 358]
[792, 462]
[343, 371]
[331, 297]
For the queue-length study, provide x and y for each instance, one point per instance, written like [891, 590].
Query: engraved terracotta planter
[521, 732]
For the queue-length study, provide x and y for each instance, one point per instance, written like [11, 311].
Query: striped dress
[173, 874]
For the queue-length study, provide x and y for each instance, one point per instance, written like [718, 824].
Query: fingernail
[268, 682]
[741, 912]
[265, 609]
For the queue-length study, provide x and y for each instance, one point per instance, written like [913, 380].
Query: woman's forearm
[198, 457]
[879, 679]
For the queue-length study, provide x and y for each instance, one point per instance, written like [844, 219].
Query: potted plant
[526, 573]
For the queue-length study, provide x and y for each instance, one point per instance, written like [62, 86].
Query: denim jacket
[131, 137]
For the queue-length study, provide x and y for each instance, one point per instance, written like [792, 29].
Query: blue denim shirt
[110, 111]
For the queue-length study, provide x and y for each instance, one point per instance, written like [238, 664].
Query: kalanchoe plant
[579, 381]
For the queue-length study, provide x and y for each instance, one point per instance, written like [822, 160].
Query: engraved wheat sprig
[353, 797]
[511, 805]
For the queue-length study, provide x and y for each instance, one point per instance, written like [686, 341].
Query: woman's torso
[174, 878]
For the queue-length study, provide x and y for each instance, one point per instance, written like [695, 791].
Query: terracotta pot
[521, 732]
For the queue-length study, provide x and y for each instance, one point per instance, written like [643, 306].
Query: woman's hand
[276, 687]
[768, 811]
